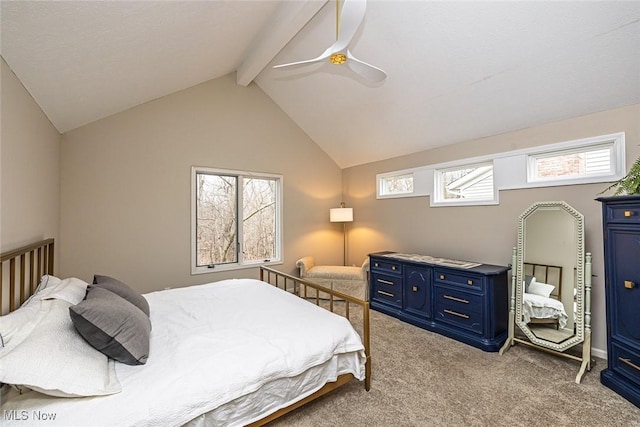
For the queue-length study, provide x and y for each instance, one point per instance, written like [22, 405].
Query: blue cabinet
[417, 291]
[467, 304]
[621, 226]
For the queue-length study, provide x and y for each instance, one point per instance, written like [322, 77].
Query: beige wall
[116, 192]
[30, 167]
[125, 187]
[484, 233]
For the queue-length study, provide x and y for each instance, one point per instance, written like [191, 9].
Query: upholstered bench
[348, 280]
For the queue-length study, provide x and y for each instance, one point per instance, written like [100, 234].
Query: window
[478, 180]
[235, 219]
[468, 184]
[393, 185]
[586, 161]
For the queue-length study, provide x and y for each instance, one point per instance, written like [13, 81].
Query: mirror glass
[549, 275]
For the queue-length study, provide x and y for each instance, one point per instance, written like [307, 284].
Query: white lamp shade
[341, 215]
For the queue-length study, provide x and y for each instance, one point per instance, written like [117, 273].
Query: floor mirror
[551, 284]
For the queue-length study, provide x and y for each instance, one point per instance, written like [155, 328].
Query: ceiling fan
[347, 23]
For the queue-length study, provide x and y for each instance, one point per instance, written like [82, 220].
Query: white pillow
[46, 282]
[19, 323]
[539, 288]
[22, 319]
[71, 290]
[55, 360]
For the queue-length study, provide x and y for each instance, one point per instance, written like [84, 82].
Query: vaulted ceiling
[456, 70]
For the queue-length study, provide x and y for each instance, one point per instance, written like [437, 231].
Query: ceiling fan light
[338, 58]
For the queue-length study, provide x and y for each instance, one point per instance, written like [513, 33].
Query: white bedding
[214, 347]
[540, 307]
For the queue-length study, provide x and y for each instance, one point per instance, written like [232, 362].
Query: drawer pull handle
[389, 294]
[393, 267]
[629, 284]
[376, 265]
[414, 289]
[628, 213]
[469, 282]
[442, 277]
[630, 363]
[464, 316]
[386, 282]
[456, 299]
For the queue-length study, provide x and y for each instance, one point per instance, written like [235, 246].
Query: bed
[233, 352]
[542, 304]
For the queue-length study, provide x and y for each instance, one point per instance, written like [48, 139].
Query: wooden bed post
[51, 252]
[367, 348]
[1, 290]
[12, 284]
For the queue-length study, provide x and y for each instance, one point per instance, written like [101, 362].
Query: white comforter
[539, 307]
[211, 344]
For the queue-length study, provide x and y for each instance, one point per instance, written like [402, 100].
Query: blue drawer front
[386, 266]
[387, 289]
[626, 362]
[460, 309]
[467, 281]
[623, 213]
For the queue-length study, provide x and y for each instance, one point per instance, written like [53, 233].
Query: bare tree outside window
[259, 222]
[399, 184]
[220, 200]
[216, 213]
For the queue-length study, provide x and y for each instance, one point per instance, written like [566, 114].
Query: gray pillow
[527, 282]
[113, 326]
[123, 290]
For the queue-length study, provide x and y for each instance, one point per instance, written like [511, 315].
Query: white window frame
[510, 169]
[383, 178]
[241, 263]
[576, 147]
[437, 197]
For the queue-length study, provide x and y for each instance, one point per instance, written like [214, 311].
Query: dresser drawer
[623, 213]
[449, 277]
[625, 362]
[387, 289]
[458, 308]
[386, 266]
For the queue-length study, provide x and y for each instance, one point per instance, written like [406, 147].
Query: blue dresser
[464, 301]
[621, 221]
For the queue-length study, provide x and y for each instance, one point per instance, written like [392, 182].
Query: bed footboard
[311, 292]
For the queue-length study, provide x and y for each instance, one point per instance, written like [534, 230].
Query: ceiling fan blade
[351, 17]
[327, 53]
[368, 71]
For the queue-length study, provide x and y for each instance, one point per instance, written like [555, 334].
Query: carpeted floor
[424, 379]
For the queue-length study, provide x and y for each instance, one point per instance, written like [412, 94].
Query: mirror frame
[579, 335]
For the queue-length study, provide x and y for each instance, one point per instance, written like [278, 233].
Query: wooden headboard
[21, 270]
[551, 274]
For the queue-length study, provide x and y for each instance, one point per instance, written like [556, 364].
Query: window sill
[230, 267]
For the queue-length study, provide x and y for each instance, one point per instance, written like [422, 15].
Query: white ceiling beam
[288, 19]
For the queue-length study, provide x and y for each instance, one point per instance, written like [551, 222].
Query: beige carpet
[424, 379]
